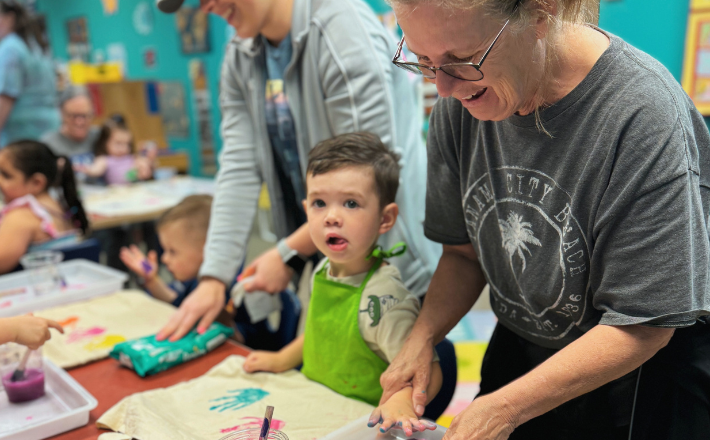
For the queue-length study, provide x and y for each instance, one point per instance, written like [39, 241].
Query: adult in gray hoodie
[299, 72]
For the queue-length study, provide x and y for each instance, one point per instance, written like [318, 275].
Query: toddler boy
[360, 312]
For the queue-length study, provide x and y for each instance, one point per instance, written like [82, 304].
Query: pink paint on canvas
[82, 334]
[253, 423]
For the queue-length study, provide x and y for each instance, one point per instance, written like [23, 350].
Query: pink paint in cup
[30, 388]
[31, 384]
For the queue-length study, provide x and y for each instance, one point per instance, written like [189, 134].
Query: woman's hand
[411, 368]
[203, 304]
[32, 331]
[135, 260]
[486, 418]
[270, 273]
[398, 413]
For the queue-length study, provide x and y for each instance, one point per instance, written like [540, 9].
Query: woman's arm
[233, 209]
[16, 233]
[599, 356]
[6, 104]
[455, 287]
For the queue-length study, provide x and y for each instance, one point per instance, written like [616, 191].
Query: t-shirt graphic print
[528, 223]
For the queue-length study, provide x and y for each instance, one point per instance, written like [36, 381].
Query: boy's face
[182, 250]
[344, 215]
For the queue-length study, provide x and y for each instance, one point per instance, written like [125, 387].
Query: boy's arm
[291, 356]
[158, 289]
[398, 411]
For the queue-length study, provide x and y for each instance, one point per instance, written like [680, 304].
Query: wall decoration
[150, 58]
[193, 27]
[171, 96]
[202, 100]
[696, 68]
[110, 6]
[143, 18]
[78, 33]
[699, 4]
[116, 53]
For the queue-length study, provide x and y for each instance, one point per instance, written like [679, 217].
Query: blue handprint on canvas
[240, 399]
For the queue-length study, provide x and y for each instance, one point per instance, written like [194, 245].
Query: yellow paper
[81, 73]
[93, 327]
[227, 399]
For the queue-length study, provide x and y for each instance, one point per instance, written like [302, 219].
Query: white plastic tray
[85, 279]
[358, 430]
[65, 406]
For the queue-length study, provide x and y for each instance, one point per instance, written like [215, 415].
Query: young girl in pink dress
[115, 161]
[32, 219]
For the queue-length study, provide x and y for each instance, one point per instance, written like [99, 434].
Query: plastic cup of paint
[253, 434]
[31, 386]
[44, 274]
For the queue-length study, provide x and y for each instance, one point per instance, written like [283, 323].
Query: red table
[109, 382]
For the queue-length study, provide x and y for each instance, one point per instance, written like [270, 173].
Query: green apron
[334, 352]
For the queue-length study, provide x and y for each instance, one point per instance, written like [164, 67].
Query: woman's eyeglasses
[462, 71]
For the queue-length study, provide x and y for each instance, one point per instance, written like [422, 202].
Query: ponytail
[71, 195]
[32, 157]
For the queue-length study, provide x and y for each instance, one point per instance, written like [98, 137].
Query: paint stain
[81, 334]
[69, 322]
[238, 399]
[104, 342]
[253, 423]
[5, 304]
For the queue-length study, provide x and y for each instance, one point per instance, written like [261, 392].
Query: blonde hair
[569, 12]
[193, 210]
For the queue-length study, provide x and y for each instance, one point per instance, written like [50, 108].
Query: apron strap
[395, 251]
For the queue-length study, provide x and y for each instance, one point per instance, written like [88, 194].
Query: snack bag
[147, 356]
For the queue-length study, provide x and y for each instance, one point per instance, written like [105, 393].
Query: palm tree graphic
[516, 233]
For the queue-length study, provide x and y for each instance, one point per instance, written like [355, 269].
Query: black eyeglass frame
[417, 67]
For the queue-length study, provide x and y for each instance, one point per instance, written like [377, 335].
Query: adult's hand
[411, 367]
[486, 418]
[270, 273]
[203, 304]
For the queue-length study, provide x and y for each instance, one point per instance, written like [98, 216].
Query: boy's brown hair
[358, 149]
[193, 210]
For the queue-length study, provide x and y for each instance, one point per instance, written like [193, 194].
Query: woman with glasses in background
[28, 106]
[570, 172]
[77, 135]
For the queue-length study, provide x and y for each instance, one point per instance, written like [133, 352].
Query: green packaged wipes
[147, 356]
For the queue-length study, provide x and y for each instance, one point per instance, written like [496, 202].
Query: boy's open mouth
[336, 243]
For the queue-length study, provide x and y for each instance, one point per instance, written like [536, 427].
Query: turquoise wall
[172, 64]
[655, 26]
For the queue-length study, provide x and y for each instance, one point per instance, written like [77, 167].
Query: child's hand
[135, 260]
[398, 412]
[267, 361]
[32, 331]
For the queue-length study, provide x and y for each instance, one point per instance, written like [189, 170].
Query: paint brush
[19, 373]
[267, 423]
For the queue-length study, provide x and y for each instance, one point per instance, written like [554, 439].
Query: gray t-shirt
[605, 222]
[63, 146]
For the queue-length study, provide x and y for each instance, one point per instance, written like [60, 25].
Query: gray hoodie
[340, 79]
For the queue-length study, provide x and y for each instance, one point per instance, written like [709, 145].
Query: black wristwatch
[290, 257]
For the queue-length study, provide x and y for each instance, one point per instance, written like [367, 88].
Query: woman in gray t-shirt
[569, 171]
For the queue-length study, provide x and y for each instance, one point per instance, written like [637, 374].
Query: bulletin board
[696, 67]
